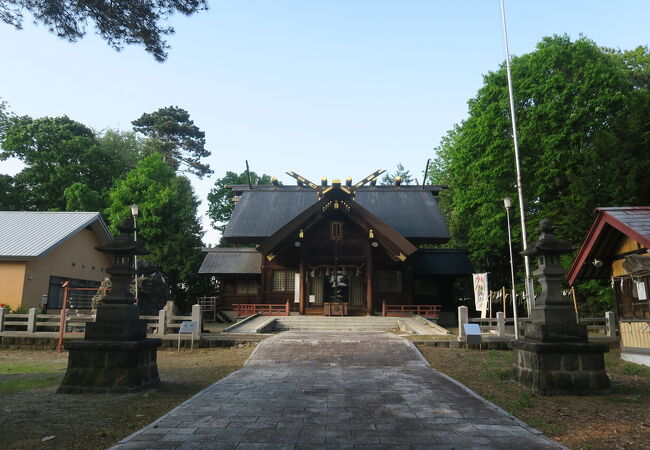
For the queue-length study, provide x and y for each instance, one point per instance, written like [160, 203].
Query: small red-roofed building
[616, 247]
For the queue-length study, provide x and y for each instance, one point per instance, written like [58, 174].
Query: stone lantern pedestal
[115, 355]
[555, 356]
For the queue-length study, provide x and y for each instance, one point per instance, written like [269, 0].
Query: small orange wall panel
[12, 281]
[628, 245]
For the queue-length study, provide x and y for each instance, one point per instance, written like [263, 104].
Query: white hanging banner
[641, 291]
[296, 287]
[480, 291]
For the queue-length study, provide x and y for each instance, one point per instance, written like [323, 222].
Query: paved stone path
[336, 390]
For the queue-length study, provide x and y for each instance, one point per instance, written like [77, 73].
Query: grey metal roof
[223, 261]
[414, 213]
[32, 234]
[444, 262]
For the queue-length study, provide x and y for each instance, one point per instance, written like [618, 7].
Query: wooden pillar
[369, 270]
[261, 296]
[301, 288]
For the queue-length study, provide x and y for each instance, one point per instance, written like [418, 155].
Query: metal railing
[430, 311]
[244, 310]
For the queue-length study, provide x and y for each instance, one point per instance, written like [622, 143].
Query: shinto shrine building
[353, 247]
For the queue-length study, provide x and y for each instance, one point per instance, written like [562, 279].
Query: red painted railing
[410, 310]
[245, 310]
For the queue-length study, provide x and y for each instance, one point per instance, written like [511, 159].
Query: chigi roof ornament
[349, 188]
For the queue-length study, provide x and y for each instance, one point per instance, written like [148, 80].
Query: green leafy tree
[583, 136]
[124, 146]
[8, 190]
[118, 22]
[79, 197]
[220, 198]
[171, 132]
[5, 118]
[401, 171]
[167, 224]
[59, 152]
[10, 195]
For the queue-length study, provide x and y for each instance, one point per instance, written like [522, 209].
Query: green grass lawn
[619, 419]
[16, 377]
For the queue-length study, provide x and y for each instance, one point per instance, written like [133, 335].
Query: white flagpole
[520, 190]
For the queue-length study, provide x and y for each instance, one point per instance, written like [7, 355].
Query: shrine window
[80, 295]
[283, 281]
[632, 297]
[316, 286]
[246, 286]
[336, 231]
[387, 281]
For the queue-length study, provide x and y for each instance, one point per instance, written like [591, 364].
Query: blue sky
[324, 88]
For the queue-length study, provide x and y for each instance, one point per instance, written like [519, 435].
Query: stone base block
[114, 331]
[117, 322]
[110, 366]
[545, 332]
[560, 368]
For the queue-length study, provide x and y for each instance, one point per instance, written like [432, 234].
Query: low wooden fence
[430, 311]
[32, 322]
[245, 310]
[600, 325]
[497, 326]
[209, 306]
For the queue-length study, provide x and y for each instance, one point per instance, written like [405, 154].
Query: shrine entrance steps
[267, 324]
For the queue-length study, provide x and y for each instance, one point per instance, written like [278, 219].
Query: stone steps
[266, 324]
[335, 323]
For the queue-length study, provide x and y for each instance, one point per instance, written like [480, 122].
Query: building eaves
[33, 234]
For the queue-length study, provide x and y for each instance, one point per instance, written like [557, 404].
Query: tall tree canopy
[5, 118]
[582, 115]
[171, 132]
[118, 22]
[405, 175]
[58, 153]
[167, 222]
[220, 198]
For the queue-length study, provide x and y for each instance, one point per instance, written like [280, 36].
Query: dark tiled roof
[443, 262]
[413, 212]
[636, 219]
[225, 261]
[259, 214]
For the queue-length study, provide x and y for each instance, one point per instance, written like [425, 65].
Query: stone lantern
[553, 315]
[115, 355]
[555, 356]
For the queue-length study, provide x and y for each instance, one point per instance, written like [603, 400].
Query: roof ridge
[50, 212]
[621, 208]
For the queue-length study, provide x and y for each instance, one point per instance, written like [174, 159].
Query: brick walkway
[336, 390]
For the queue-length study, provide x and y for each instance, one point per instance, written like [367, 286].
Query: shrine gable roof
[610, 226]
[411, 210]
